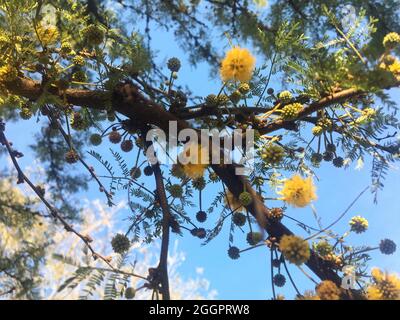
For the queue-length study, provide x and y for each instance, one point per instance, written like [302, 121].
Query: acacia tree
[87, 76]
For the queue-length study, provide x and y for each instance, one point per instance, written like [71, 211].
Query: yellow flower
[194, 171]
[391, 40]
[395, 67]
[295, 249]
[391, 64]
[47, 34]
[238, 64]
[327, 290]
[232, 202]
[197, 160]
[8, 73]
[298, 192]
[385, 286]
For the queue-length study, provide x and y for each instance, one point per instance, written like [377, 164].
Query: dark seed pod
[328, 156]
[130, 293]
[338, 162]
[253, 238]
[239, 219]
[387, 246]
[114, 137]
[276, 263]
[234, 253]
[148, 171]
[201, 216]
[120, 243]
[279, 280]
[126, 145]
[330, 147]
[199, 233]
[71, 156]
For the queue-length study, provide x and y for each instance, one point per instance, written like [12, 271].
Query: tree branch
[163, 264]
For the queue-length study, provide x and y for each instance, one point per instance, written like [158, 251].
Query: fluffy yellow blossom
[328, 290]
[8, 73]
[47, 34]
[391, 64]
[385, 286]
[395, 67]
[391, 40]
[295, 249]
[238, 64]
[298, 192]
[196, 160]
[232, 202]
[194, 171]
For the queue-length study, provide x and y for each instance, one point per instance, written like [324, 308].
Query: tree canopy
[311, 81]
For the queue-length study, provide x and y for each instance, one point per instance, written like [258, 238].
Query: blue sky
[249, 277]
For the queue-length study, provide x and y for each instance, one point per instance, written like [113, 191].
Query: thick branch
[163, 264]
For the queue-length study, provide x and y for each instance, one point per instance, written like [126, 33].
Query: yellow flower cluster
[385, 286]
[391, 40]
[295, 249]
[47, 34]
[391, 64]
[8, 73]
[238, 65]
[298, 192]
[196, 161]
[367, 115]
[358, 224]
[328, 290]
[395, 67]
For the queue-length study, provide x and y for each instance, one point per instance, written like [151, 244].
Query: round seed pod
[95, 139]
[253, 238]
[233, 253]
[114, 137]
[120, 243]
[71, 157]
[279, 280]
[126, 145]
[130, 293]
[148, 171]
[174, 64]
[201, 216]
[239, 219]
[135, 173]
[245, 198]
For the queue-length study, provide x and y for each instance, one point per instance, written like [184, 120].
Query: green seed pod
[273, 154]
[285, 96]
[130, 293]
[120, 243]
[174, 64]
[175, 190]
[96, 139]
[291, 111]
[93, 34]
[245, 198]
